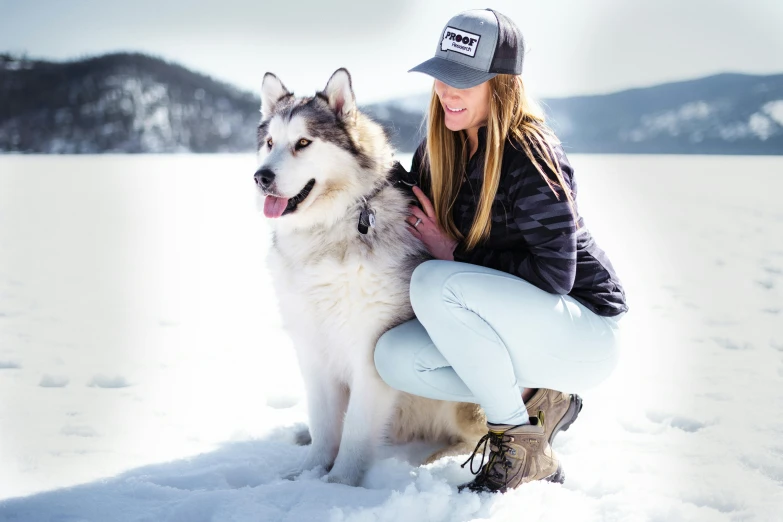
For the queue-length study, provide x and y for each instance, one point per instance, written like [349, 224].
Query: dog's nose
[264, 177]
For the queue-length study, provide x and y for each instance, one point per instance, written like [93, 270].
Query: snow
[53, 381]
[761, 126]
[672, 122]
[144, 374]
[774, 110]
[135, 112]
[696, 119]
[734, 131]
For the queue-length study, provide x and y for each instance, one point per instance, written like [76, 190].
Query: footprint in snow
[731, 344]
[676, 421]
[53, 381]
[104, 381]
[80, 430]
[768, 284]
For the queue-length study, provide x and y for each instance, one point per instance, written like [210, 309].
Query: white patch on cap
[459, 41]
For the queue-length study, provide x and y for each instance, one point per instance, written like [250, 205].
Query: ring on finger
[416, 224]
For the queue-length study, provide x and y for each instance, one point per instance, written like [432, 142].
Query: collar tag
[366, 219]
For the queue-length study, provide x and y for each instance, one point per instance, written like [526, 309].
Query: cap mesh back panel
[511, 46]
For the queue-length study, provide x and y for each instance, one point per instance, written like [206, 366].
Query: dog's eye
[302, 143]
[269, 143]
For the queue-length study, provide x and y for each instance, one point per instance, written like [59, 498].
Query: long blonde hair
[511, 114]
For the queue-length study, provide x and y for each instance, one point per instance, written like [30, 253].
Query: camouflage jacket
[533, 234]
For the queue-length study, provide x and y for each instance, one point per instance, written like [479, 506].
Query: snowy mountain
[403, 119]
[721, 114]
[137, 103]
[120, 103]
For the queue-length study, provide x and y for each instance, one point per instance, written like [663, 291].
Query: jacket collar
[482, 142]
[482, 135]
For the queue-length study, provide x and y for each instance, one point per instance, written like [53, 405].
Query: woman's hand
[439, 244]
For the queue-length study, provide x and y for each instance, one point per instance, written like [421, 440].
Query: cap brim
[451, 73]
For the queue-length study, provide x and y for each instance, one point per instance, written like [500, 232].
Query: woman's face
[464, 108]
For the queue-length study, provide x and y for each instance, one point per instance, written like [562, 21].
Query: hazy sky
[573, 46]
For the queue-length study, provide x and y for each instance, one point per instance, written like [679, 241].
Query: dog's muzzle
[264, 177]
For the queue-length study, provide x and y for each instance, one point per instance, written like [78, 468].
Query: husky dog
[341, 261]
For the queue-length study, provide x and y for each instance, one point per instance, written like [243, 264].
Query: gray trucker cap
[474, 47]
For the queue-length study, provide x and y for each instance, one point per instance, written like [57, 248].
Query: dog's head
[315, 154]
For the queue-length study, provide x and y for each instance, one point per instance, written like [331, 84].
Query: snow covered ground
[144, 374]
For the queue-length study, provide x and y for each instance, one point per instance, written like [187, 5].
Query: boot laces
[498, 465]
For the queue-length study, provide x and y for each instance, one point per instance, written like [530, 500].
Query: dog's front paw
[315, 461]
[347, 477]
[315, 471]
[333, 478]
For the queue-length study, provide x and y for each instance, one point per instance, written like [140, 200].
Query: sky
[573, 47]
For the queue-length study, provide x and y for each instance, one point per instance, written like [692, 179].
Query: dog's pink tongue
[274, 207]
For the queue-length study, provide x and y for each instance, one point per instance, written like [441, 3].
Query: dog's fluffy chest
[341, 297]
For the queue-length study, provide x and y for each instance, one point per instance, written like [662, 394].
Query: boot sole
[568, 419]
[558, 477]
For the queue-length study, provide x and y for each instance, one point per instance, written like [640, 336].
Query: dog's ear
[340, 94]
[272, 90]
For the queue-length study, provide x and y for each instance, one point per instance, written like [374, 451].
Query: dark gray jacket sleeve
[541, 233]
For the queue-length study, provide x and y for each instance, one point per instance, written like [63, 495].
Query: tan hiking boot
[518, 454]
[556, 409]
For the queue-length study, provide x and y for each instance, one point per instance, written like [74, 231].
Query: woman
[519, 300]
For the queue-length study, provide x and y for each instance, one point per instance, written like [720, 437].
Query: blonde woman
[519, 309]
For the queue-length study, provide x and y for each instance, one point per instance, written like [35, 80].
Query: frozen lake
[138, 328]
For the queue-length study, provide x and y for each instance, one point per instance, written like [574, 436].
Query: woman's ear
[272, 91]
[339, 92]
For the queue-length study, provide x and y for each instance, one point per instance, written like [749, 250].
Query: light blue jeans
[481, 335]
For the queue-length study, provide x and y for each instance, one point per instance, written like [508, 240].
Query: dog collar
[367, 216]
[367, 213]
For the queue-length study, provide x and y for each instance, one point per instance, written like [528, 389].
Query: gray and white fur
[338, 290]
